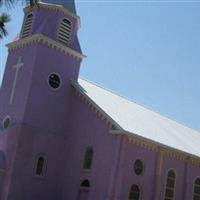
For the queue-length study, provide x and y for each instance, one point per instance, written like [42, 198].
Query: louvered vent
[64, 31]
[27, 26]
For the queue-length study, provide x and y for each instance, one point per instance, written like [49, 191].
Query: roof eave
[159, 145]
[76, 85]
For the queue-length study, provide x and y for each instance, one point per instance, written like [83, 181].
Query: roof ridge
[165, 116]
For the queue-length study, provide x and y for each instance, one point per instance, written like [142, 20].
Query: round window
[54, 81]
[138, 167]
[6, 122]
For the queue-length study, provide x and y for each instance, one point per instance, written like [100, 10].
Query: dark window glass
[196, 192]
[88, 158]
[40, 166]
[138, 167]
[54, 81]
[170, 185]
[67, 21]
[134, 193]
[6, 122]
[85, 183]
[29, 16]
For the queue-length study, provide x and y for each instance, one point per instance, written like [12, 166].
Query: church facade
[62, 137]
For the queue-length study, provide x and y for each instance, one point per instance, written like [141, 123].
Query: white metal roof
[143, 122]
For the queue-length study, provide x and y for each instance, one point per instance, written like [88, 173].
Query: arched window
[88, 158]
[196, 192]
[170, 185]
[27, 25]
[41, 165]
[64, 32]
[85, 184]
[134, 193]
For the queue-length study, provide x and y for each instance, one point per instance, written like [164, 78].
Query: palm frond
[8, 3]
[4, 18]
[11, 3]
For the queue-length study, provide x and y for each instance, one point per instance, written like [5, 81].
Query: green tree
[5, 18]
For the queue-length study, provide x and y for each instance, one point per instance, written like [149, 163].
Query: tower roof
[68, 4]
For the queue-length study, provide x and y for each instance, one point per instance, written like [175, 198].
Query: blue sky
[147, 51]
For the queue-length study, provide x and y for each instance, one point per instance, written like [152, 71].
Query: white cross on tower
[17, 68]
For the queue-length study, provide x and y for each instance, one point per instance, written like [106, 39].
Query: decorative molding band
[141, 143]
[54, 7]
[153, 146]
[95, 108]
[46, 41]
[174, 154]
[134, 139]
[195, 162]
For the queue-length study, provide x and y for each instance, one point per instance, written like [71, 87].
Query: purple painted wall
[39, 114]
[60, 125]
[88, 130]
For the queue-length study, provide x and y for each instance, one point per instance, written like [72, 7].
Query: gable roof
[140, 121]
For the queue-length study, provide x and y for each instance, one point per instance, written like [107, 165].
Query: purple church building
[64, 138]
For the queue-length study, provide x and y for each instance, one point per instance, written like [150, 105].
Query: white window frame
[70, 33]
[24, 22]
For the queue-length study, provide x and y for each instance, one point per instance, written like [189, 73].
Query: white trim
[4, 119]
[25, 18]
[58, 77]
[70, 32]
[17, 67]
[104, 114]
[55, 7]
[46, 41]
[134, 135]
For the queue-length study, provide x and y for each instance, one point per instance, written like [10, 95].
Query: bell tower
[35, 99]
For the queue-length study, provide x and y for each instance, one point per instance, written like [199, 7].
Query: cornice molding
[39, 38]
[157, 147]
[54, 7]
[135, 139]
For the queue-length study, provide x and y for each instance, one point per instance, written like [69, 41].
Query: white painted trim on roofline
[45, 40]
[56, 7]
[76, 86]
[124, 132]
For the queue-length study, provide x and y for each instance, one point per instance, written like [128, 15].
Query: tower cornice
[54, 7]
[46, 41]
